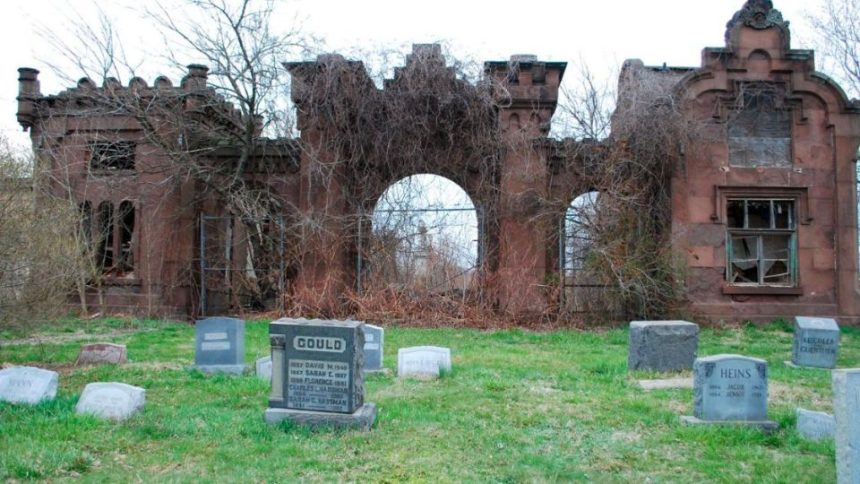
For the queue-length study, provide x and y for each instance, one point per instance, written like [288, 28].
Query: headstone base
[766, 425]
[798, 367]
[228, 369]
[665, 384]
[361, 419]
[381, 371]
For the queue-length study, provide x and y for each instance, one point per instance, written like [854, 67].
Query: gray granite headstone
[374, 338]
[816, 342]
[730, 388]
[846, 410]
[423, 361]
[111, 400]
[662, 345]
[317, 374]
[99, 353]
[815, 425]
[220, 345]
[264, 368]
[27, 384]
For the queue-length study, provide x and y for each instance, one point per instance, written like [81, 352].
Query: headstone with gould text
[317, 374]
[99, 353]
[423, 361]
[27, 384]
[662, 345]
[730, 389]
[816, 342]
[374, 338]
[846, 411]
[110, 400]
[220, 345]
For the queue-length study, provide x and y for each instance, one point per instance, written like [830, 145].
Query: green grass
[518, 406]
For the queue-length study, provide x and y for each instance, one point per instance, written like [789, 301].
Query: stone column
[278, 343]
[846, 410]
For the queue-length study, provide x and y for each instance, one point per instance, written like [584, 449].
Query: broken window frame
[758, 235]
[112, 230]
[108, 157]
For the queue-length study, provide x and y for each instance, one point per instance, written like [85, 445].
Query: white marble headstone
[110, 400]
[264, 368]
[27, 384]
[423, 361]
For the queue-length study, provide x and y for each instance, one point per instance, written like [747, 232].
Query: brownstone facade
[764, 210]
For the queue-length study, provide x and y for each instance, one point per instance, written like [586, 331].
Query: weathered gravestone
[264, 368]
[317, 374]
[816, 342]
[662, 345]
[27, 384]
[815, 425]
[98, 353]
[730, 389]
[110, 400]
[374, 338]
[220, 345]
[846, 410]
[423, 361]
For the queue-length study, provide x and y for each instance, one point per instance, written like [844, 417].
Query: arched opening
[424, 240]
[580, 221]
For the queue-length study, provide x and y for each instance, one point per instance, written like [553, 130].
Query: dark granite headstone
[662, 345]
[816, 342]
[374, 338]
[317, 374]
[220, 345]
[730, 388]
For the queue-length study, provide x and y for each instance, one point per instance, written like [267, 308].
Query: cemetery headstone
[846, 410]
[264, 368]
[374, 338]
[423, 361]
[662, 345]
[815, 425]
[111, 400]
[317, 376]
[220, 345]
[98, 353]
[27, 384]
[730, 388]
[816, 342]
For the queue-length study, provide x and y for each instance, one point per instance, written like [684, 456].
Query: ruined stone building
[764, 209]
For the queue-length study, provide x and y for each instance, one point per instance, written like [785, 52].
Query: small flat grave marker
[816, 342]
[100, 353]
[815, 425]
[423, 361]
[374, 338]
[846, 411]
[111, 400]
[27, 384]
[662, 345]
[317, 378]
[264, 368]
[730, 389]
[220, 345]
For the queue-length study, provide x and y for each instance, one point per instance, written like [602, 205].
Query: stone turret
[28, 94]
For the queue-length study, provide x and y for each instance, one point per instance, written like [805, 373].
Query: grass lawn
[518, 406]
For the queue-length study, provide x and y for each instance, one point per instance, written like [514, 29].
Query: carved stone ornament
[757, 14]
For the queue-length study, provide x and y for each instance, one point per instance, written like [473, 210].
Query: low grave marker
[423, 361]
[730, 389]
[816, 342]
[815, 425]
[28, 384]
[99, 353]
[220, 345]
[317, 376]
[662, 345]
[263, 368]
[111, 400]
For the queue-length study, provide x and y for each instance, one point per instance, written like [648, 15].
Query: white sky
[603, 33]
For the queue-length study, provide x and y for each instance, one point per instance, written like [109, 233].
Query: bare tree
[837, 29]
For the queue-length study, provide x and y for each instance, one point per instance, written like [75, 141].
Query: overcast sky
[602, 33]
